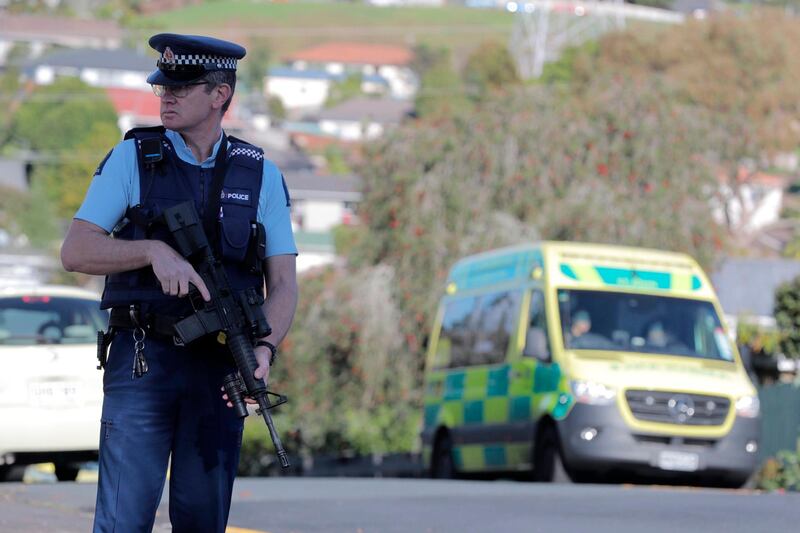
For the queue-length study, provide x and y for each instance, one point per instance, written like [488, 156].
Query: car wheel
[12, 472]
[67, 471]
[442, 464]
[548, 465]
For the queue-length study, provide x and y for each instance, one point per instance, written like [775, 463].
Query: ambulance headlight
[748, 407]
[592, 393]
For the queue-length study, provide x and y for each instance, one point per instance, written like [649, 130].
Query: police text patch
[236, 196]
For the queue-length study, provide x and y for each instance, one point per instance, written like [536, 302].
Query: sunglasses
[178, 91]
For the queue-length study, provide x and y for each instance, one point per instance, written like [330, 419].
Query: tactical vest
[165, 180]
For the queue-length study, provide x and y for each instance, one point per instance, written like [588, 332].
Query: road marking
[232, 529]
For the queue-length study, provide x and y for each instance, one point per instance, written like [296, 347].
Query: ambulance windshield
[597, 320]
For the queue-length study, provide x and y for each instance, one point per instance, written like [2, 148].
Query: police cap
[186, 58]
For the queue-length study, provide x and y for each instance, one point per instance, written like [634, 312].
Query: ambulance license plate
[679, 461]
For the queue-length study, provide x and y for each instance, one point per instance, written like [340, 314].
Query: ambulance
[582, 361]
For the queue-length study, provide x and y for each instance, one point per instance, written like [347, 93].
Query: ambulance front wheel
[442, 464]
[548, 465]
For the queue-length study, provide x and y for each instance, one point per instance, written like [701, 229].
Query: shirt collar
[185, 153]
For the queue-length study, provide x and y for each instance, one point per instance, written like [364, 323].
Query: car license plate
[54, 394]
[680, 461]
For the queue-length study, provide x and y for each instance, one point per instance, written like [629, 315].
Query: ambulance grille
[678, 408]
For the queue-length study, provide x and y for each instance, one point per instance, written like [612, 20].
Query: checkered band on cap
[221, 62]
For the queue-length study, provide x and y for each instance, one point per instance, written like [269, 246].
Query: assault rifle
[236, 315]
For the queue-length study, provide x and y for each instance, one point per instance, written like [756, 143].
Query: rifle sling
[212, 214]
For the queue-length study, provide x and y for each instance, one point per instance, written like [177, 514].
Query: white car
[50, 389]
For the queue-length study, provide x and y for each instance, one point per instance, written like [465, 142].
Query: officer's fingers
[173, 287]
[183, 287]
[262, 372]
[198, 282]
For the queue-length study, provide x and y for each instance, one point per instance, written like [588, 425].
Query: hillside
[289, 26]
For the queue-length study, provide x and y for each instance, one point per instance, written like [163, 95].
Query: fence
[780, 411]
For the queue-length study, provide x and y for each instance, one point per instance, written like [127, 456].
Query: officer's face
[193, 108]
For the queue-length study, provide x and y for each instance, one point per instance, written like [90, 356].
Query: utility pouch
[257, 249]
[235, 238]
[104, 339]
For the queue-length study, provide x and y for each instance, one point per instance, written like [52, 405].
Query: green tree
[276, 109]
[60, 116]
[441, 93]
[344, 90]
[662, 4]
[67, 179]
[31, 214]
[259, 55]
[535, 163]
[71, 126]
[787, 316]
[427, 57]
[490, 67]
[351, 386]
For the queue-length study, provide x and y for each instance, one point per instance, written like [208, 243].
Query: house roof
[690, 6]
[307, 184]
[381, 110]
[747, 286]
[289, 160]
[355, 53]
[319, 74]
[119, 59]
[134, 102]
[20, 27]
[309, 74]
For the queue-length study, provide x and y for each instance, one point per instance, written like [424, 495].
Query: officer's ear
[222, 93]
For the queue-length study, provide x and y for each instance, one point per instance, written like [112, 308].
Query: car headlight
[592, 393]
[748, 406]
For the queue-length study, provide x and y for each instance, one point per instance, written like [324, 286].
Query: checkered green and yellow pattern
[490, 399]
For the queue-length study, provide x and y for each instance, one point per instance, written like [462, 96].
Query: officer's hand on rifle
[174, 272]
[263, 355]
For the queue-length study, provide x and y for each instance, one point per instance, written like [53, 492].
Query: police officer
[162, 401]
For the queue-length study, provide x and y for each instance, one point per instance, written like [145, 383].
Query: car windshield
[29, 320]
[596, 320]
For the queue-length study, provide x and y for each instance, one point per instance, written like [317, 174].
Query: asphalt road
[308, 505]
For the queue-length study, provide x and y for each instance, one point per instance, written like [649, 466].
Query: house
[308, 89]
[14, 174]
[363, 118]
[135, 108]
[392, 63]
[319, 204]
[122, 73]
[746, 287]
[120, 69]
[38, 33]
[699, 9]
[749, 203]
[746, 290]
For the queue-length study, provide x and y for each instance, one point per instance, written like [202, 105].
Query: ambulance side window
[496, 321]
[457, 334]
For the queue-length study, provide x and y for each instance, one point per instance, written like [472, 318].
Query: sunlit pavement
[323, 505]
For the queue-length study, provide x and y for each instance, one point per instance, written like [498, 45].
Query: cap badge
[168, 57]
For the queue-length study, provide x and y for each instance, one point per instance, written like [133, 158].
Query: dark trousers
[174, 415]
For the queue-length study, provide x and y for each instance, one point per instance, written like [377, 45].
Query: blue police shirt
[115, 187]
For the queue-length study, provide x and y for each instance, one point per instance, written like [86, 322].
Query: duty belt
[159, 326]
